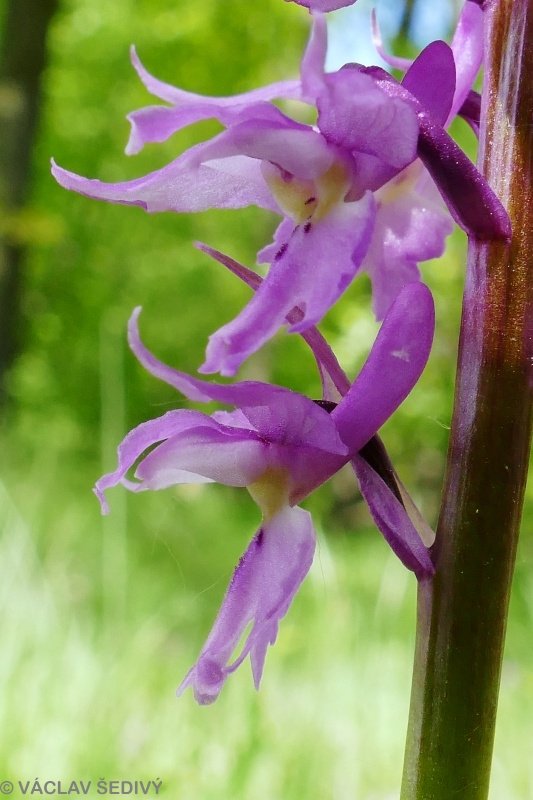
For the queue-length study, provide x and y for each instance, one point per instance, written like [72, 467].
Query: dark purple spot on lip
[309, 200]
[281, 252]
[259, 537]
[307, 227]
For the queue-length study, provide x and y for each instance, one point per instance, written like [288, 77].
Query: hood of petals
[356, 114]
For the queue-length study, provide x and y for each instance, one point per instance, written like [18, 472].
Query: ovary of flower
[271, 491]
[302, 200]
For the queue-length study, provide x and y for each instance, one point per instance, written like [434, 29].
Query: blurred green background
[101, 618]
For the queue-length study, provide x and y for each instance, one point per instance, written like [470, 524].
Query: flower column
[462, 613]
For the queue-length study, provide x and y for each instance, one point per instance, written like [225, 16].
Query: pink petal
[157, 123]
[334, 381]
[313, 265]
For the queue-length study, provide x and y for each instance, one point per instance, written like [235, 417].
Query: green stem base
[462, 613]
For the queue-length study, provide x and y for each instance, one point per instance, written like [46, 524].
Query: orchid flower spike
[323, 181]
[280, 445]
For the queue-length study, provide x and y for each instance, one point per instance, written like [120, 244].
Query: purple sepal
[470, 199]
[391, 370]
[435, 66]
[261, 590]
[312, 67]
[157, 123]
[191, 448]
[396, 62]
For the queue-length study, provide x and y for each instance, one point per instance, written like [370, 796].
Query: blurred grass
[101, 618]
[93, 644]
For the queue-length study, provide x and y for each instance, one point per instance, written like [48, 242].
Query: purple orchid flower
[324, 5]
[321, 180]
[387, 498]
[412, 221]
[280, 445]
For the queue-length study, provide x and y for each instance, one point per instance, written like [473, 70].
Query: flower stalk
[462, 612]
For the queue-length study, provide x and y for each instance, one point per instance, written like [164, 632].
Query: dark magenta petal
[431, 79]
[392, 520]
[467, 194]
[467, 50]
[260, 593]
[471, 201]
[471, 111]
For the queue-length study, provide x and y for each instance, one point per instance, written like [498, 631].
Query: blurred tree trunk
[22, 59]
